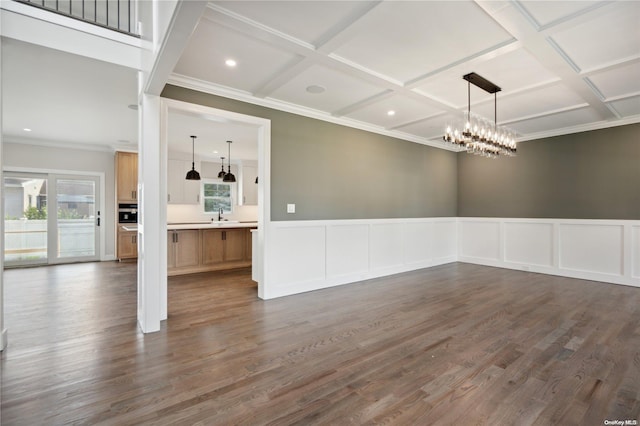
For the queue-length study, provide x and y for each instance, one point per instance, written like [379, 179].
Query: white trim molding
[599, 250]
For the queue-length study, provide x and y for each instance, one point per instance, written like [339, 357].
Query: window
[217, 195]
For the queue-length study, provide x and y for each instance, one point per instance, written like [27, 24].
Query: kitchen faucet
[220, 214]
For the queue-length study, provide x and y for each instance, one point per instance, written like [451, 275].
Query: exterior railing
[26, 240]
[117, 15]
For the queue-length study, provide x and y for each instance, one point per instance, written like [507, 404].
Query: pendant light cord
[193, 153]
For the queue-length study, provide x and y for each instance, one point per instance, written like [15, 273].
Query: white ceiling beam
[521, 25]
[230, 20]
[183, 22]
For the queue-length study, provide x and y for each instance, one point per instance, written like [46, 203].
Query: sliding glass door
[50, 218]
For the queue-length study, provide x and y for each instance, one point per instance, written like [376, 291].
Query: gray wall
[336, 172]
[589, 175]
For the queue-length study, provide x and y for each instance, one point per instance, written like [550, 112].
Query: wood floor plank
[454, 344]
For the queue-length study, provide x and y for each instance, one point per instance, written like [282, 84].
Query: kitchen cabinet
[208, 249]
[223, 245]
[127, 192]
[127, 244]
[180, 190]
[127, 177]
[183, 250]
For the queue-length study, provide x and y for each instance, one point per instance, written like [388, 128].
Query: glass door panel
[25, 220]
[77, 218]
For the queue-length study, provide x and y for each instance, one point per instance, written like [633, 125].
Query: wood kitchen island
[202, 247]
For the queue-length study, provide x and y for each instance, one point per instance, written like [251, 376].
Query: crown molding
[581, 128]
[16, 140]
[243, 96]
[213, 89]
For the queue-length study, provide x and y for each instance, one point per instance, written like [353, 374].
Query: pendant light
[193, 174]
[221, 173]
[229, 177]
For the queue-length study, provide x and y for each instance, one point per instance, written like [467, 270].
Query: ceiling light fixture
[230, 63]
[26, 129]
[479, 135]
[391, 113]
[221, 173]
[229, 177]
[193, 174]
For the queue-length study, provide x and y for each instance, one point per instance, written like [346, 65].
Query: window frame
[232, 187]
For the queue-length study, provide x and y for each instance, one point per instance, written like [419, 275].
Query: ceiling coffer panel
[405, 40]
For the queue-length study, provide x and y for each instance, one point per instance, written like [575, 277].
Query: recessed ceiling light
[391, 113]
[215, 152]
[230, 63]
[315, 89]
[26, 129]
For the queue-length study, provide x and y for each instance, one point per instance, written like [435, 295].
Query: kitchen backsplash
[193, 213]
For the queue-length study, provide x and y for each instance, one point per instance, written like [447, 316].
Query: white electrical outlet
[291, 208]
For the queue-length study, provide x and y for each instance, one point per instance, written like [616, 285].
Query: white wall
[44, 158]
[601, 250]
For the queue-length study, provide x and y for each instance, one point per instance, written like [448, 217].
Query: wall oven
[127, 213]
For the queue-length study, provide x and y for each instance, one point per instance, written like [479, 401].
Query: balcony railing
[117, 15]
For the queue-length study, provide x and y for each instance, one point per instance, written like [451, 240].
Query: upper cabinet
[179, 189]
[127, 176]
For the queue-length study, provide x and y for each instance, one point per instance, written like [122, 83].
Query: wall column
[152, 245]
[3, 331]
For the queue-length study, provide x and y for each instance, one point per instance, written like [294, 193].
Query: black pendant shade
[193, 174]
[229, 177]
[221, 173]
[256, 179]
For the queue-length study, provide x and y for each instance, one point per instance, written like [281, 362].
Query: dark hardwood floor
[455, 344]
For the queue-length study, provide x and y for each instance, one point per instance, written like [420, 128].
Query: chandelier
[478, 135]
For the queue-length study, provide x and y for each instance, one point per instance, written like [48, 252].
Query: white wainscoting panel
[347, 250]
[417, 243]
[635, 251]
[592, 248]
[529, 243]
[599, 250]
[298, 255]
[480, 239]
[386, 246]
[444, 243]
[311, 255]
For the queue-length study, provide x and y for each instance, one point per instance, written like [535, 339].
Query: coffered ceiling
[563, 66]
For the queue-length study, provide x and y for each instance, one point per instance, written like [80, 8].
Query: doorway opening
[250, 164]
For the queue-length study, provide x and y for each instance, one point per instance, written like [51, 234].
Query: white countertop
[209, 225]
